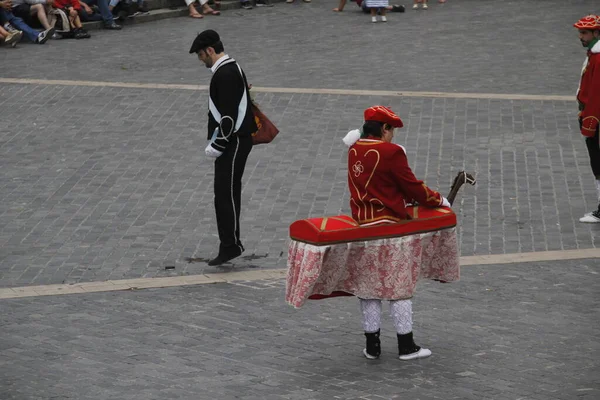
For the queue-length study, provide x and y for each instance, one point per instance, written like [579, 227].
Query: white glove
[212, 152]
[351, 137]
[445, 202]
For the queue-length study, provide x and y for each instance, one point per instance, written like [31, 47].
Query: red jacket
[589, 93]
[381, 182]
[67, 3]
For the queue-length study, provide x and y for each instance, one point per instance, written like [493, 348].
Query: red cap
[589, 22]
[383, 114]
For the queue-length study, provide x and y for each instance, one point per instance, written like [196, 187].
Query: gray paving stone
[503, 332]
[111, 183]
[123, 204]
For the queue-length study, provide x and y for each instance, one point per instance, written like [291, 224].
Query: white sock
[383, 18]
[373, 19]
[371, 311]
[401, 312]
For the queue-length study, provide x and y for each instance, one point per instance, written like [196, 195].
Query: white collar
[220, 61]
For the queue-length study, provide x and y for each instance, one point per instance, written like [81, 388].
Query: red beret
[383, 114]
[589, 22]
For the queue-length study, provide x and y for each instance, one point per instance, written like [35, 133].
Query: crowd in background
[37, 21]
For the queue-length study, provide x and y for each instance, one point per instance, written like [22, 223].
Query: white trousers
[202, 2]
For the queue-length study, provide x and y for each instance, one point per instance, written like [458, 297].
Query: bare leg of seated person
[192, 8]
[207, 10]
[341, 6]
[38, 11]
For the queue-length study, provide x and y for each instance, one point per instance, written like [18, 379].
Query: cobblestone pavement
[503, 332]
[112, 183]
[109, 183]
[489, 46]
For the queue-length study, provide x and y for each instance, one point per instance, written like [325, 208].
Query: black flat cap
[204, 39]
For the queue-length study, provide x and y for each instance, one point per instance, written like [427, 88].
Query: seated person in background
[365, 9]
[127, 8]
[35, 36]
[206, 10]
[72, 9]
[29, 10]
[10, 38]
[88, 13]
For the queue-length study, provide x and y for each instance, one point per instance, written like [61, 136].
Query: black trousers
[229, 169]
[593, 146]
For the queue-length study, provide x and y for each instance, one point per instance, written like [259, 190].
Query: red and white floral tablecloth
[375, 269]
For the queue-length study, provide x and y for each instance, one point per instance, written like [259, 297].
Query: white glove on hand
[212, 152]
[445, 202]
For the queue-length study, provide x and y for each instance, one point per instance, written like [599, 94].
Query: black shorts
[23, 11]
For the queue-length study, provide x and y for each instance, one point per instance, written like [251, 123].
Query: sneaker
[81, 34]
[138, 13]
[373, 19]
[121, 15]
[13, 38]
[44, 36]
[9, 28]
[415, 6]
[263, 3]
[425, 7]
[246, 5]
[421, 353]
[114, 26]
[592, 218]
[383, 18]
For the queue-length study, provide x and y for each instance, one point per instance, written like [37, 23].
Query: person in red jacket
[72, 8]
[588, 97]
[381, 184]
[380, 180]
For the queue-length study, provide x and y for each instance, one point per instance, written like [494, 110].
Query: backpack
[60, 22]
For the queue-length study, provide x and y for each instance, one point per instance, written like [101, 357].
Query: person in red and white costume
[588, 97]
[381, 184]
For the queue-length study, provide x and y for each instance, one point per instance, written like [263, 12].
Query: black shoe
[408, 350]
[114, 26]
[81, 34]
[246, 5]
[397, 8]
[223, 258]
[120, 15]
[373, 349]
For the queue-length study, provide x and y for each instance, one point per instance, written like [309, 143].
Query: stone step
[162, 9]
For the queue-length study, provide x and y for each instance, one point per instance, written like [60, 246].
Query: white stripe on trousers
[237, 145]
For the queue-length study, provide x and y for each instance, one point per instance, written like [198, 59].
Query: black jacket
[227, 87]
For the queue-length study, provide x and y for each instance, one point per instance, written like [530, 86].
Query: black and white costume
[230, 127]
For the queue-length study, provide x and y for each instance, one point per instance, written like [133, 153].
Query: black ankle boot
[373, 349]
[406, 344]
